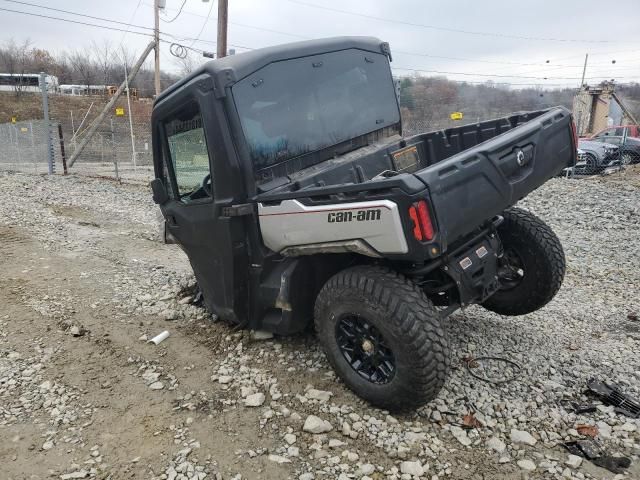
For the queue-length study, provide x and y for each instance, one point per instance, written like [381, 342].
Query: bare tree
[104, 60]
[84, 67]
[187, 64]
[14, 60]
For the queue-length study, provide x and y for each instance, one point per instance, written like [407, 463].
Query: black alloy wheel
[365, 349]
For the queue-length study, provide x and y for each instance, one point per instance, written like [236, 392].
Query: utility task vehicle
[284, 176]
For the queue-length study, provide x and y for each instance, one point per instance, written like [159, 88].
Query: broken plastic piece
[590, 450]
[584, 408]
[159, 338]
[612, 396]
[613, 464]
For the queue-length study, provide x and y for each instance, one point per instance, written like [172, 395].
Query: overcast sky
[479, 37]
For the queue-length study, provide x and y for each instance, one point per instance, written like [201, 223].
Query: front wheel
[591, 165]
[382, 336]
[532, 265]
[628, 158]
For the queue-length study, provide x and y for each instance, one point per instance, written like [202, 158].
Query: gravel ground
[82, 395]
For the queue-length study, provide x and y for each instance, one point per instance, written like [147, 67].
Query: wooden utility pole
[156, 36]
[584, 69]
[223, 9]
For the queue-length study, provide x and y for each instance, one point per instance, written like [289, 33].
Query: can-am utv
[284, 175]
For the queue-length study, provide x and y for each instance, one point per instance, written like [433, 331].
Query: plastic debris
[611, 395]
[159, 338]
[593, 452]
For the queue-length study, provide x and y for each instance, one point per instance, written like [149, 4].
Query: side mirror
[160, 195]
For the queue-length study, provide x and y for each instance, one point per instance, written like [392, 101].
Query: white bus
[26, 82]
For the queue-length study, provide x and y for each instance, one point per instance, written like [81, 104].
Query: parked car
[618, 131]
[596, 156]
[629, 148]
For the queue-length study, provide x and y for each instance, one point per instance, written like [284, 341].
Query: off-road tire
[408, 322]
[544, 264]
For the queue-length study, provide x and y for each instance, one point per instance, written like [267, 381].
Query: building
[596, 108]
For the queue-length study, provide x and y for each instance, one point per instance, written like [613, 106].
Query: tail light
[422, 226]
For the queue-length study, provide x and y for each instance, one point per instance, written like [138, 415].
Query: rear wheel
[382, 336]
[531, 268]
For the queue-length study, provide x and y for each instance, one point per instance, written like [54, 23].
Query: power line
[74, 13]
[177, 14]
[499, 76]
[130, 20]
[445, 29]
[504, 62]
[264, 29]
[107, 27]
[204, 24]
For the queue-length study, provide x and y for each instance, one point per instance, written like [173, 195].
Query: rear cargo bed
[479, 178]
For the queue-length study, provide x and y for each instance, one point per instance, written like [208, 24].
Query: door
[212, 242]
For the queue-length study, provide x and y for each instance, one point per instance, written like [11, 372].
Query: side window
[189, 154]
[619, 131]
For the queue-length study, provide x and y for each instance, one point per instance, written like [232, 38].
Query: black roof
[233, 68]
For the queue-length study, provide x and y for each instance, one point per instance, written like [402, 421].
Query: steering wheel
[206, 184]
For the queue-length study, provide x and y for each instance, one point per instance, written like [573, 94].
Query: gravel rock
[412, 468]
[320, 395]
[526, 465]
[461, 435]
[574, 461]
[255, 400]
[279, 459]
[495, 444]
[315, 424]
[366, 469]
[74, 475]
[75, 331]
[520, 436]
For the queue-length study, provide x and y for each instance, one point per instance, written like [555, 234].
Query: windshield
[298, 106]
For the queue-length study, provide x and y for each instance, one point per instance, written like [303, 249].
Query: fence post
[47, 127]
[17, 144]
[33, 149]
[113, 149]
[64, 158]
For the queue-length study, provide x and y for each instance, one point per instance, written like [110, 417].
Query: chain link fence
[120, 148]
[24, 147]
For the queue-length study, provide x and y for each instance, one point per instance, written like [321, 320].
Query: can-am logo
[368, 215]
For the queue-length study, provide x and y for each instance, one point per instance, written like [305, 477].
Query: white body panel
[290, 224]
